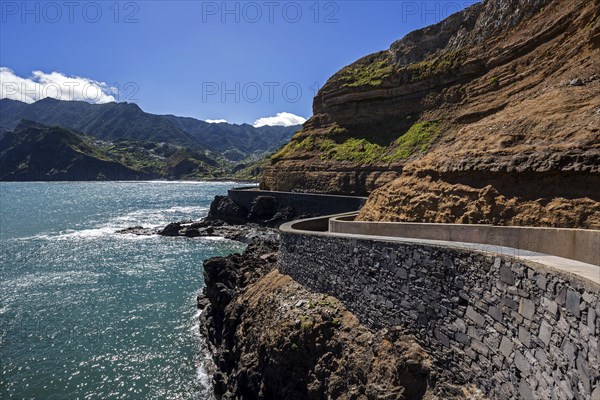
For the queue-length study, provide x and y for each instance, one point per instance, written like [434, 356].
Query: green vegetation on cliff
[417, 139]
[290, 149]
[358, 151]
[441, 63]
[362, 151]
[285, 152]
[371, 74]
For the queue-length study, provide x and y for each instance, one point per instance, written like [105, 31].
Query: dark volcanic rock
[223, 208]
[172, 229]
[138, 230]
[235, 225]
[241, 233]
[263, 207]
[265, 211]
[196, 233]
[283, 214]
[270, 338]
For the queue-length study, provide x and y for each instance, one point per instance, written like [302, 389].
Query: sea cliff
[490, 116]
[271, 338]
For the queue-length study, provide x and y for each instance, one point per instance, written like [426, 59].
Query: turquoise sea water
[86, 313]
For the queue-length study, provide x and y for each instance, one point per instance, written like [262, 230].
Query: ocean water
[86, 313]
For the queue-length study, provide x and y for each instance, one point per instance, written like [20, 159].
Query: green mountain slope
[38, 152]
[104, 121]
[113, 121]
[34, 152]
[231, 139]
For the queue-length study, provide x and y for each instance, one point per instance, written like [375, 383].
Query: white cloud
[216, 121]
[54, 84]
[280, 119]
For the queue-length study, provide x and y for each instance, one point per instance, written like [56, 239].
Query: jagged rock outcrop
[264, 211]
[499, 102]
[272, 339]
[223, 208]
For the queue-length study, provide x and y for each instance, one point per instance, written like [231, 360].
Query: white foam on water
[185, 209]
[204, 358]
[213, 238]
[134, 237]
[85, 233]
[63, 278]
[155, 218]
[201, 373]
[204, 355]
[148, 218]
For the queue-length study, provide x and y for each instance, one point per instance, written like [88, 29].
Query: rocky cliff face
[491, 116]
[273, 339]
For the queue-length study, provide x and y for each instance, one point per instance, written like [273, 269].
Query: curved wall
[512, 326]
[576, 244]
[302, 203]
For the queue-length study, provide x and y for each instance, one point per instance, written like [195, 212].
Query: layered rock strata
[497, 104]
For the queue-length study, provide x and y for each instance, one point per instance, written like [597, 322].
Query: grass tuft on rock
[417, 139]
[367, 75]
[442, 63]
[362, 151]
[358, 151]
[290, 149]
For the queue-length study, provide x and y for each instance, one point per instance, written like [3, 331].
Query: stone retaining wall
[513, 327]
[303, 203]
[576, 244]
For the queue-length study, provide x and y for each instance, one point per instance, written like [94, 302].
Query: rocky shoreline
[271, 338]
[196, 229]
[227, 220]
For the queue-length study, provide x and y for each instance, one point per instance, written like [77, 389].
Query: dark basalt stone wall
[513, 327]
[308, 204]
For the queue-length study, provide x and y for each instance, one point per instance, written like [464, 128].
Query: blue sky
[237, 61]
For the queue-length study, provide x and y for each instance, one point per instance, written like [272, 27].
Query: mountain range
[153, 146]
[34, 152]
